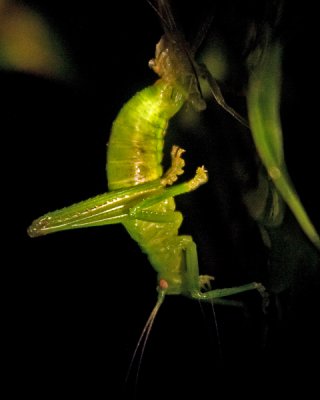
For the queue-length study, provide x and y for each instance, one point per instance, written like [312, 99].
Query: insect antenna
[202, 33]
[215, 319]
[213, 309]
[166, 17]
[145, 335]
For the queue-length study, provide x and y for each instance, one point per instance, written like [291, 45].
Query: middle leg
[196, 283]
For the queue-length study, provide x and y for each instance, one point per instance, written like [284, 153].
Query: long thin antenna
[164, 22]
[202, 34]
[165, 16]
[146, 332]
[217, 329]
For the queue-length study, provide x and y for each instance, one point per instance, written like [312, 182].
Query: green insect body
[137, 137]
[141, 197]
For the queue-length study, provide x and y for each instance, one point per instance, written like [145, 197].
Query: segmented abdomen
[135, 147]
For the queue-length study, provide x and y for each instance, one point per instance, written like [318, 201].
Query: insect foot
[205, 282]
[200, 178]
[177, 164]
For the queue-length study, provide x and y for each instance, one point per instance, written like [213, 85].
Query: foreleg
[140, 210]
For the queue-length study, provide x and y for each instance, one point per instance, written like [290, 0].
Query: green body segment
[135, 148]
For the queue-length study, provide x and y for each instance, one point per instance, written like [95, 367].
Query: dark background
[77, 301]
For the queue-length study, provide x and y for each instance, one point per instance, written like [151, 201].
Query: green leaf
[264, 117]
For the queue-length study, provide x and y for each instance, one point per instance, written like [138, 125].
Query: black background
[77, 301]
